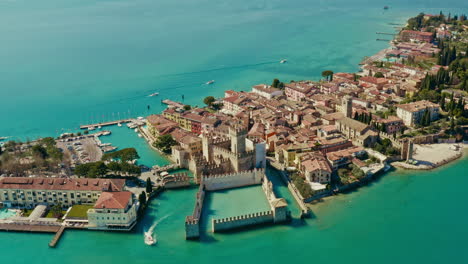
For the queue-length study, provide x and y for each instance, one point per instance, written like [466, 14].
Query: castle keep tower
[238, 136]
[347, 106]
[207, 142]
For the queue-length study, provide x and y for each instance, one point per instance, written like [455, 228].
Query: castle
[279, 212]
[223, 153]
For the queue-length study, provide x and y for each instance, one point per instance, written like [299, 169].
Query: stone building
[358, 132]
[232, 152]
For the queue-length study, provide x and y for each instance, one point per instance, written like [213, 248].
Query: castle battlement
[238, 131]
[234, 174]
[242, 217]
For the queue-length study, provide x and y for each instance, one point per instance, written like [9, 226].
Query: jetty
[379, 39]
[57, 237]
[172, 103]
[110, 123]
[383, 33]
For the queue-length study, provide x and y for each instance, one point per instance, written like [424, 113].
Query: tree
[275, 83]
[149, 185]
[56, 210]
[142, 198]
[379, 75]
[209, 100]
[187, 107]
[40, 151]
[328, 75]
[98, 169]
[164, 143]
[126, 154]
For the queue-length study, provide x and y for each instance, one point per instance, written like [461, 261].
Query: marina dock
[110, 123]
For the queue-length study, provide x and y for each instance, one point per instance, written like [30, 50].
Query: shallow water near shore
[65, 63]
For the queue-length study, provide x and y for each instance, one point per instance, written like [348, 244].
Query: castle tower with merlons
[237, 136]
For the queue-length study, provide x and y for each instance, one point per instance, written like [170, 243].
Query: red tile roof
[113, 200]
[62, 184]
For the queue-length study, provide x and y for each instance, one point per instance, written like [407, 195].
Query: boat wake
[150, 238]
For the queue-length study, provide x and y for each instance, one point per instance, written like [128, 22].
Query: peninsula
[406, 107]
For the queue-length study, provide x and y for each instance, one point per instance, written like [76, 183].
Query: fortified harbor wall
[277, 214]
[192, 222]
[229, 223]
[233, 180]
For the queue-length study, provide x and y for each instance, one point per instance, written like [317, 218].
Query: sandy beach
[430, 156]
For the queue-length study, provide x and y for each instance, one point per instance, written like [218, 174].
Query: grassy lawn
[51, 215]
[79, 211]
[26, 212]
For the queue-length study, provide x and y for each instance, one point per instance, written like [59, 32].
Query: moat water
[64, 63]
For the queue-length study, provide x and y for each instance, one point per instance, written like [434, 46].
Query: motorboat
[140, 135]
[119, 124]
[283, 61]
[153, 94]
[149, 240]
[210, 82]
[136, 130]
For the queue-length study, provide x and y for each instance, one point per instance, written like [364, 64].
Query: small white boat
[283, 61]
[99, 127]
[149, 240]
[210, 82]
[153, 94]
[136, 130]
[91, 128]
[119, 124]
[140, 135]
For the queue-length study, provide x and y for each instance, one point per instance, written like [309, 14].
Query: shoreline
[430, 162]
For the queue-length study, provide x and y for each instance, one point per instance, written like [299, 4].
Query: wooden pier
[110, 123]
[57, 237]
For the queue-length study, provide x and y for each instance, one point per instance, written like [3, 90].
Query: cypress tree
[149, 186]
[442, 101]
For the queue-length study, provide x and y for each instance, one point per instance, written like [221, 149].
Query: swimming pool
[5, 213]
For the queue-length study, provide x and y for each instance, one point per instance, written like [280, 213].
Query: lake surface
[65, 63]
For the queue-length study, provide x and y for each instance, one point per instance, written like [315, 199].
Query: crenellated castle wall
[192, 222]
[233, 180]
[242, 221]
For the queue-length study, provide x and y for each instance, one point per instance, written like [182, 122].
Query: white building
[412, 113]
[113, 211]
[266, 91]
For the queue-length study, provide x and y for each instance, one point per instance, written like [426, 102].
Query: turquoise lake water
[65, 63]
